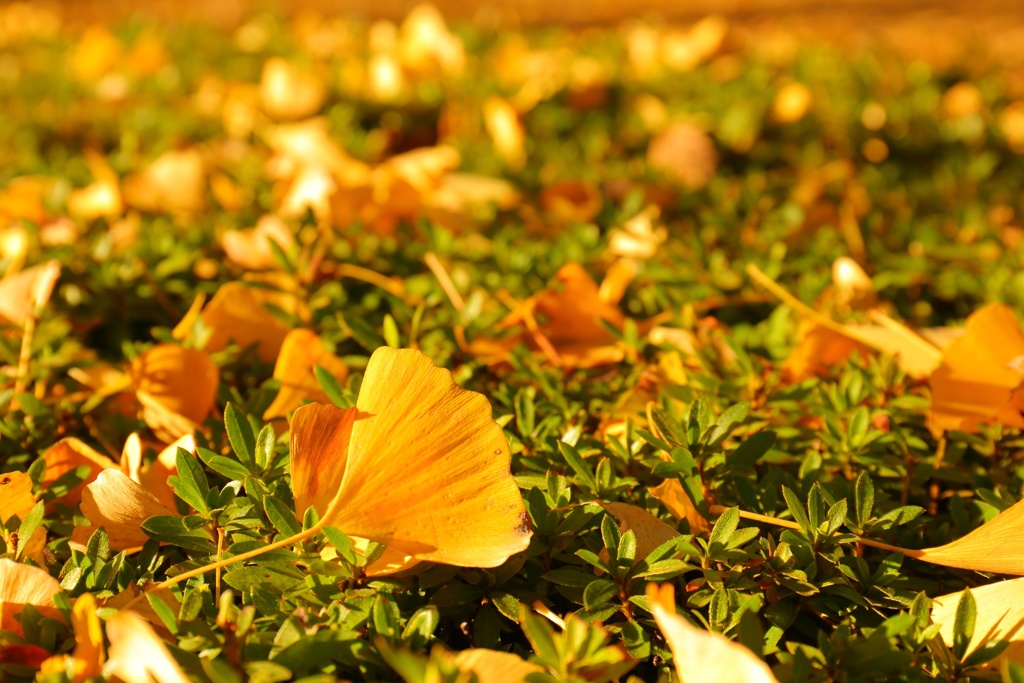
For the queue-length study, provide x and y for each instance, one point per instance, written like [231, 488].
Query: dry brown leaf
[650, 531]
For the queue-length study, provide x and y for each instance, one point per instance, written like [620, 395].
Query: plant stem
[220, 564]
[755, 517]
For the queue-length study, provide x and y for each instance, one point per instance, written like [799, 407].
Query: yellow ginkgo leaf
[650, 531]
[120, 506]
[87, 659]
[153, 477]
[175, 182]
[684, 153]
[506, 131]
[426, 469]
[69, 454]
[301, 352]
[103, 196]
[22, 585]
[993, 547]
[675, 499]
[563, 322]
[238, 313]
[251, 248]
[999, 616]
[702, 656]
[137, 655]
[171, 382]
[143, 607]
[16, 498]
[288, 92]
[23, 294]
[981, 377]
[493, 666]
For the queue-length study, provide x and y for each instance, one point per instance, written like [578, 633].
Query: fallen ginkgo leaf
[999, 615]
[120, 506]
[136, 654]
[702, 656]
[22, 585]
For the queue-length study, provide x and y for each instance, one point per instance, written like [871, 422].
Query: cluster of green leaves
[843, 457]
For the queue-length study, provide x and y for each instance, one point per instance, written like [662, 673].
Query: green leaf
[599, 592]
[963, 624]
[583, 473]
[281, 516]
[669, 428]
[265, 441]
[391, 336]
[727, 422]
[241, 437]
[28, 527]
[225, 467]
[329, 383]
[753, 449]
[342, 543]
[864, 498]
[724, 527]
[190, 483]
[796, 508]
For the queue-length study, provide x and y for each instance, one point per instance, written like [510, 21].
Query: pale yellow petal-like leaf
[999, 616]
[119, 505]
[137, 655]
[25, 292]
[702, 656]
[288, 92]
[493, 666]
[22, 585]
[428, 468]
[650, 531]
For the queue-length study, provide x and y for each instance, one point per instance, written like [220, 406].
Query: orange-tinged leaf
[562, 322]
[288, 92]
[87, 659]
[175, 182]
[23, 294]
[428, 468]
[684, 153]
[69, 454]
[999, 616]
[22, 585]
[819, 349]
[137, 655]
[251, 248]
[320, 436]
[173, 379]
[981, 374]
[238, 313]
[493, 666]
[702, 656]
[301, 352]
[143, 608]
[993, 547]
[650, 531]
[675, 499]
[153, 477]
[119, 505]
[16, 497]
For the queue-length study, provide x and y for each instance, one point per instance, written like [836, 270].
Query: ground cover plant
[344, 350]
